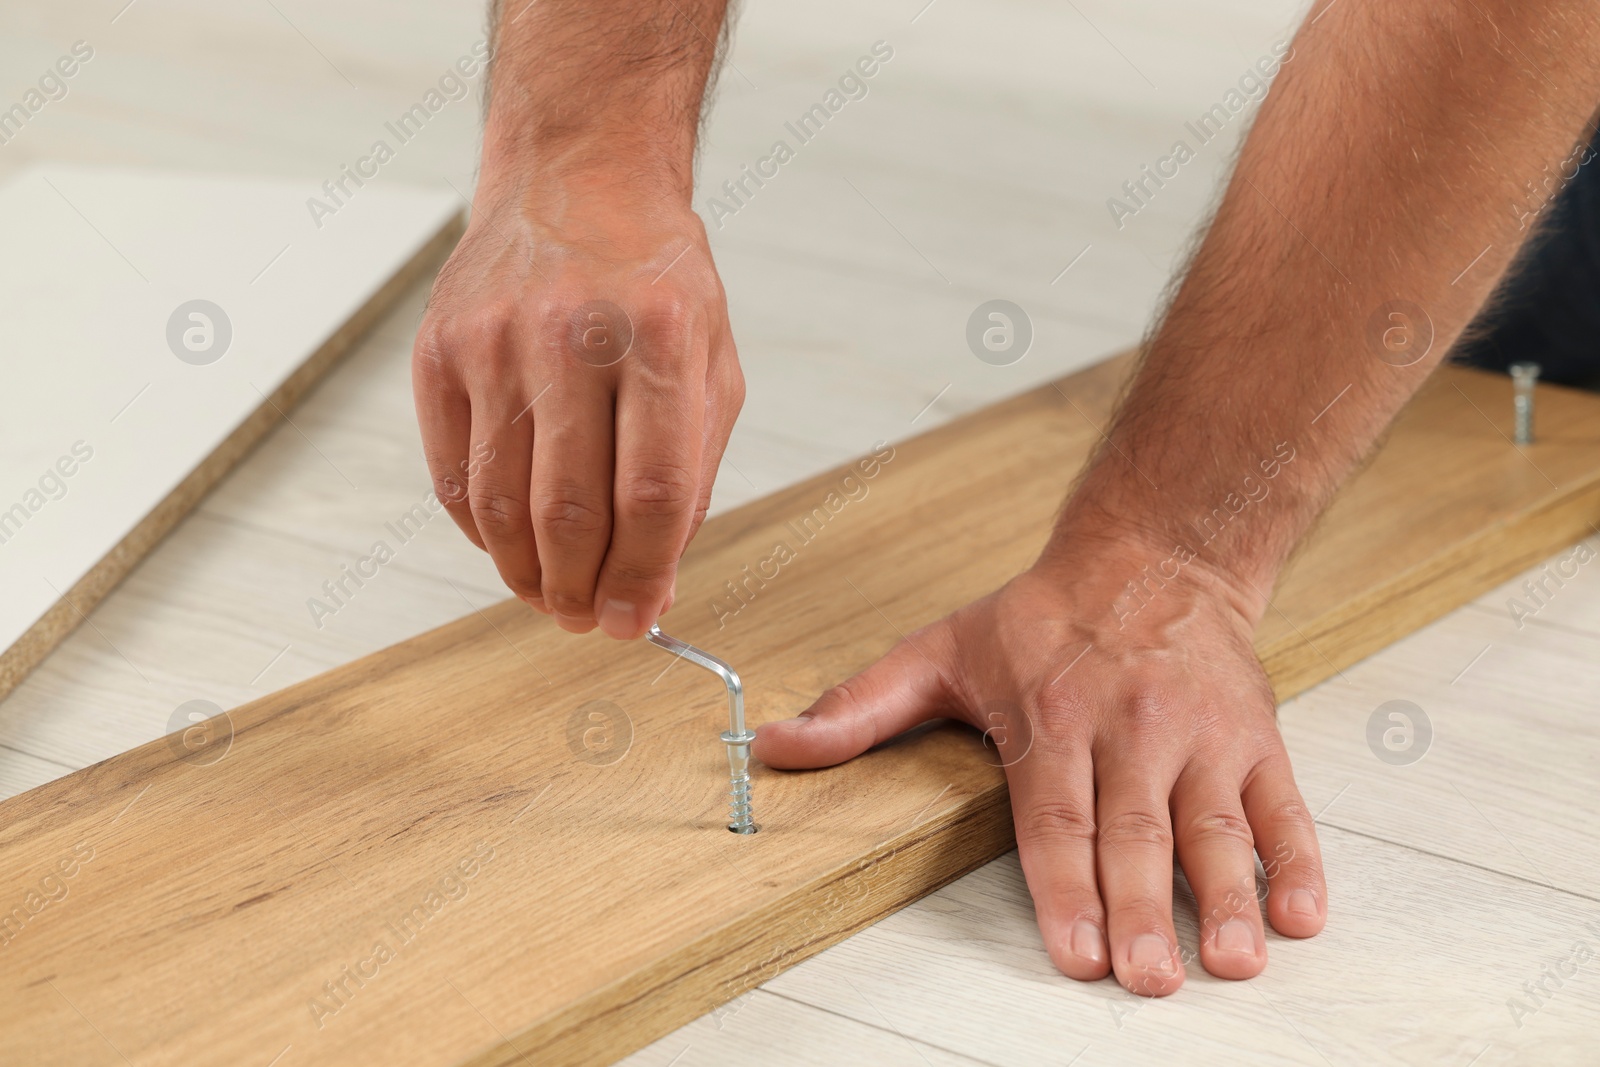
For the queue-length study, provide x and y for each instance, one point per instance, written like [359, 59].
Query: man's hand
[582, 342]
[575, 362]
[1119, 744]
[1162, 735]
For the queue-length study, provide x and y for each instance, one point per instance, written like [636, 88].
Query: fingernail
[1235, 935]
[1087, 942]
[618, 619]
[1302, 902]
[1150, 952]
[572, 624]
[672, 597]
[534, 602]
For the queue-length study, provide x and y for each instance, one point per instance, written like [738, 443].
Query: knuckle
[1221, 825]
[552, 319]
[565, 602]
[1148, 714]
[523, 585]
[1063, 715]
[622, 575]
[488, 338]
[448, 486]
[735, 387]
[1137, 828]
[667, 332]
[1058, 819]
[1289, 812]
[498, 512]
[701, 508]
[443, 339]
[657, 490]
[849, 693]
[429, 354]
[449, 490]
[843, 693]
[669, 317]
[569, 516]
[555, 317]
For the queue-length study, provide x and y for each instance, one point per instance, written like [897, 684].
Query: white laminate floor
[978, 166]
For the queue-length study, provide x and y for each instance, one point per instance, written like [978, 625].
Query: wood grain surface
[499, 843]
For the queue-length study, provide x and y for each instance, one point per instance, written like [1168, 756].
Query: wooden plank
[1446, 510]
[439, 854]
[154, 433]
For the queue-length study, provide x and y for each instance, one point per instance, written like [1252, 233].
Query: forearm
[1388, 163]
[604, 92]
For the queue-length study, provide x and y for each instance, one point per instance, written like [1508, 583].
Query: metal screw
[1523, 377]
[737, 737]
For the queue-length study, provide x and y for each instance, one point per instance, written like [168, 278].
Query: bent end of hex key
[737, 737]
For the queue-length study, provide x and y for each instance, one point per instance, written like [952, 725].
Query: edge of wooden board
[703, 976]
[1349, 634]
[53, 627]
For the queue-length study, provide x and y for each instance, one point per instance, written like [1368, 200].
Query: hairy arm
[610, 89]
[1389, 162]
[1389, 165]
[575, 376]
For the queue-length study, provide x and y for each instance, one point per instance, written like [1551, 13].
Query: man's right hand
[576, 382]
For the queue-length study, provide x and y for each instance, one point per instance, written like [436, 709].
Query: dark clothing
[1547, 308]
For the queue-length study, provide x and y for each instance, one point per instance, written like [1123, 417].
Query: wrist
[556, 165]
[1239, 526]
[1137, 562]
[586, 196]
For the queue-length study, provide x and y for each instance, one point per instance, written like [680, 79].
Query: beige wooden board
[125, 399]
[605, 905]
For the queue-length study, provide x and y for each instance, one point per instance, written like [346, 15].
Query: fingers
[1286, 841]
[901, 690]
[444, 416]
[724, 399]
[1215, 847]
[1134, 850]
[497, 490]
[657, 485]
[1052, 803]
[573, 455]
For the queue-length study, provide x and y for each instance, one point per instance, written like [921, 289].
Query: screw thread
[741, 819]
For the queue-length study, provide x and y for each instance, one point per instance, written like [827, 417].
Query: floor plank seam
[305, 542]
[1544, 624]
[66, 767]
[1463, 862]
[912, 1041]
